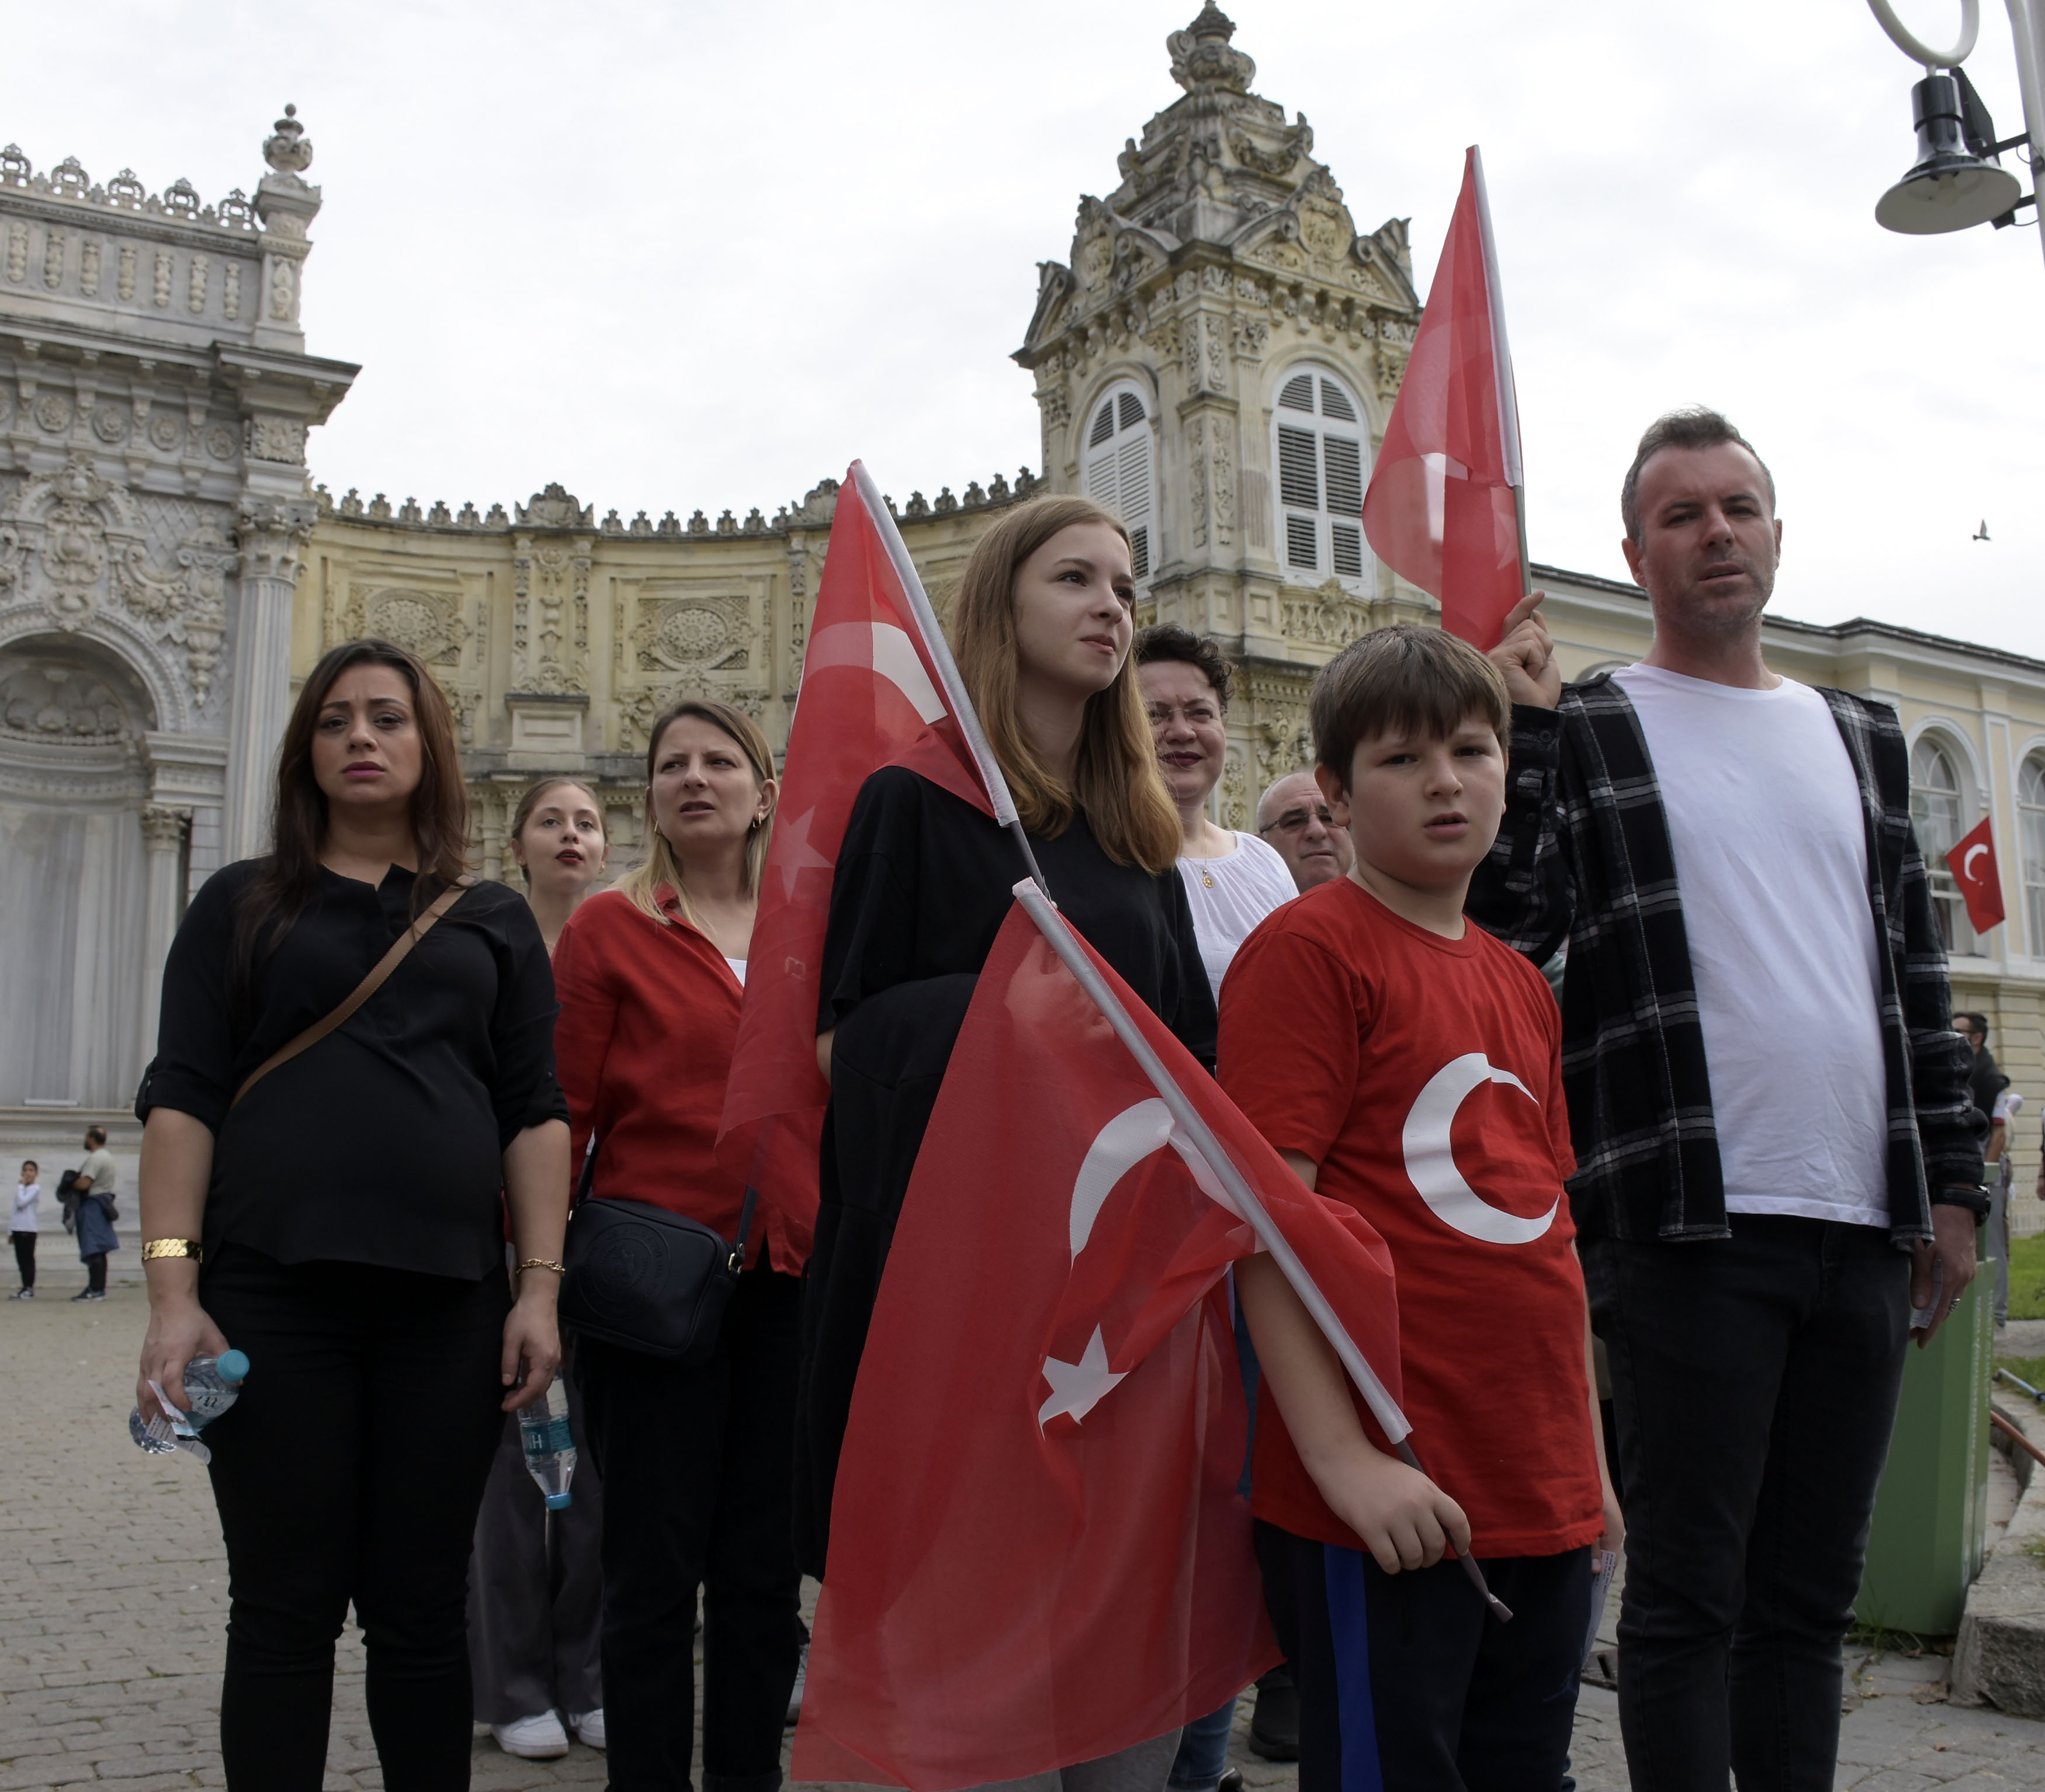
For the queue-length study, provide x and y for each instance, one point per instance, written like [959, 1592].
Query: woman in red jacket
[697, 1462]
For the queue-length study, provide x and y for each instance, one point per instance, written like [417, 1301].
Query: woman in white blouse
[1233, 879]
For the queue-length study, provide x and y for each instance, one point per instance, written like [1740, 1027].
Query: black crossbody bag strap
[588, 1179]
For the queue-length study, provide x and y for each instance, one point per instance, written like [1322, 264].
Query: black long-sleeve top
[923, 884]
[383, 1143]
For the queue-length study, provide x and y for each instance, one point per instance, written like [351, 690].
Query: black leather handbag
[646, 1279]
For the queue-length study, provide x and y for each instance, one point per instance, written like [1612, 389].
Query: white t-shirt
[738, 968]
[1771, 863]
[99, 1166]
[1230, 896]
[26, 1196]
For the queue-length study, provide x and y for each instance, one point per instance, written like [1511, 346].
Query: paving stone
[111, 1636]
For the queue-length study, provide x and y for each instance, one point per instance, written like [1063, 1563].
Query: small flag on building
[1446, 509]
[1972, 863]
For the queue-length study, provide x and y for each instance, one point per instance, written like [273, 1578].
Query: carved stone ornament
[428, 624]
[268, 438]
[40, 701]
[693, 635]
[164, 827]
[556, 508]
[73, 543]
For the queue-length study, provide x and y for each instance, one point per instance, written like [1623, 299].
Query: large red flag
[1972, 863]
[1445, 506]
[873, 675]
[1037, 1555]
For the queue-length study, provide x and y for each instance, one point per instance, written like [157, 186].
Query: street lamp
[1957, 181]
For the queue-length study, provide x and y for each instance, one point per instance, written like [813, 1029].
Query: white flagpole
[1242, 1198]
[956, 700]
[1501, 356]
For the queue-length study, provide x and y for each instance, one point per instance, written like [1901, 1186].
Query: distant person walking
[28, 1198]
[354, 1076]
[536, 1579]
[96, 1213]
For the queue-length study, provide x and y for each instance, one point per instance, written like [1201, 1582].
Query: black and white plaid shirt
[1584, 855]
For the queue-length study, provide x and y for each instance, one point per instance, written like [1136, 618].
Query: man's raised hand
[1527, 656]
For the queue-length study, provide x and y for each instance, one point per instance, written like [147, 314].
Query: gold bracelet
[542, 1263]
[173, 1247]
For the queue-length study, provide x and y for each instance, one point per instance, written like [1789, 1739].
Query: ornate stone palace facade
[1217, 359]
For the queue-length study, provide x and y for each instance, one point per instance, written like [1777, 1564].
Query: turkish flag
[1972, 863]
[1038, 1556]
[870, 697]
[1443, 509]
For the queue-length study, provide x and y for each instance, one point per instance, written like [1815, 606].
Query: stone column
[272, 535]
[163, 842]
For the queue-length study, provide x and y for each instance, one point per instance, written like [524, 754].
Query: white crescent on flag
[1430, 1159]
[1117, 1148]
[882, 648]
[1135, 1134]
[1967, 862]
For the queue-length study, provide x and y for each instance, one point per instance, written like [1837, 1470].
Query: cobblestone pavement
[113, 1593]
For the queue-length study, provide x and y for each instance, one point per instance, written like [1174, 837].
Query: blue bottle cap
[233, 1366]
[556, 1501]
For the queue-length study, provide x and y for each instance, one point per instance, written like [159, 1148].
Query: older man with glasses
[1293, 818]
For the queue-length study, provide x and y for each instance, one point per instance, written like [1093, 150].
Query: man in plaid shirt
[1778, 1155]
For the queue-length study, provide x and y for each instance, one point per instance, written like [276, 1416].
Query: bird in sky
[1979, 534]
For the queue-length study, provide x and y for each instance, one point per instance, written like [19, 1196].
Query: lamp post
[1956, 181]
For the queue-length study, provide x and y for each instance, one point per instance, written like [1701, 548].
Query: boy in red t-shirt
[1406, 1063]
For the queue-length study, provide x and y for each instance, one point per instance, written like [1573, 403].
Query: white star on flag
[795, 836]
[1077, 1388]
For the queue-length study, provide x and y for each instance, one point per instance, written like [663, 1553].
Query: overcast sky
[677, 255]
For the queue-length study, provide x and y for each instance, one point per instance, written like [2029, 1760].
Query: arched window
[1117, 472]
[1322, 459]
[2031, 842]
[1937, 813]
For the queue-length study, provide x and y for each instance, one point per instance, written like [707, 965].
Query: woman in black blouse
[341, 1223]
[922, 885]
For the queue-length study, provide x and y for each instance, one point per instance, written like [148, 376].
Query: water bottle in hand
[211, 1384]
[549, 1441]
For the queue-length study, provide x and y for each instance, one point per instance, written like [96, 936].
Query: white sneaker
[539, 1738]
[588, 1728]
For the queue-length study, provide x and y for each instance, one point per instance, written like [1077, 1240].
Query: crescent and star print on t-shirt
[1422, 1074]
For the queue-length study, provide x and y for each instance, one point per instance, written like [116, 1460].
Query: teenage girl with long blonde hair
[1042, 633]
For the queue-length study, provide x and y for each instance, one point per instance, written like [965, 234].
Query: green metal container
[1930, 1516]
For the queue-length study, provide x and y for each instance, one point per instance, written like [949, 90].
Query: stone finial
[287, 149]
[1202, 57]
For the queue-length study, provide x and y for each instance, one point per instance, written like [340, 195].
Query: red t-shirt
[1424, 1075]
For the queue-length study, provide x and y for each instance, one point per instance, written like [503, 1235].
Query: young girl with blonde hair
[1041, 630]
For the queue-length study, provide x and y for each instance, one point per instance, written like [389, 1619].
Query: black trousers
[1754, 1381]
[25, 1256]
[95, 1271]
[350, 1470]
[1407, 1683]
[698, 1469]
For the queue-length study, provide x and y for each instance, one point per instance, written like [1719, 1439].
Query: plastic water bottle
[549, 1441]
[212, 1383]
